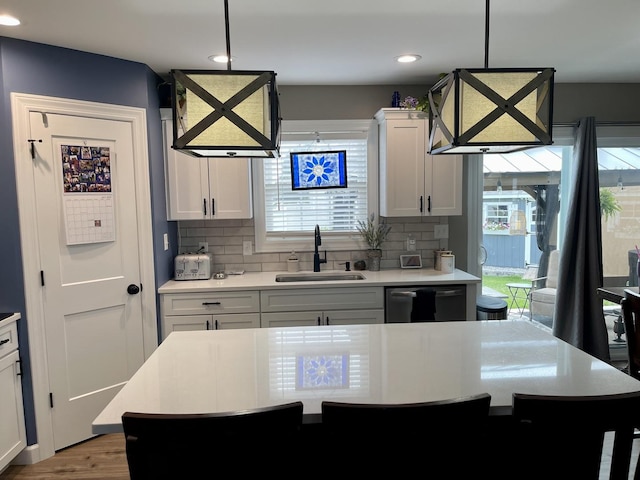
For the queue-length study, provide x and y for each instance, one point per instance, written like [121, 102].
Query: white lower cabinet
[322, 306]
[271, 308]
[327, 317]
[209, 311]
[182, 323]
[13, 437]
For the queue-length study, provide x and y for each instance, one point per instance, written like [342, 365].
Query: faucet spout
[318, 239]
[316, 255]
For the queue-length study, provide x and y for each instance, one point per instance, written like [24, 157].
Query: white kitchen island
[225, 370]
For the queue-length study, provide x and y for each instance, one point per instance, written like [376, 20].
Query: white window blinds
[334, 209]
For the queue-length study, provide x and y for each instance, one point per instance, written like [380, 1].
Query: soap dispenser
[292, 262]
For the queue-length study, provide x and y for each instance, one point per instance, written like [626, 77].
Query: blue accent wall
[33, 68]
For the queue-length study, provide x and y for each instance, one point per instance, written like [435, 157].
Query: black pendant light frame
[452, 139]
[266, 144]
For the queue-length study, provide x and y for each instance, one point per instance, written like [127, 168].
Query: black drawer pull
[211, 303]
[6, 340]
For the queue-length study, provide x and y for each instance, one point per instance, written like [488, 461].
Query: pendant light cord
[486, 35]
[226, 29]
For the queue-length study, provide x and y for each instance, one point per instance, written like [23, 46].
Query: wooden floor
[100, 458]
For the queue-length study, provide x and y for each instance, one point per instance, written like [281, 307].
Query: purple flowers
[409, 102]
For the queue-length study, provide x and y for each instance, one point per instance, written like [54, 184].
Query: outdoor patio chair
[543, 289]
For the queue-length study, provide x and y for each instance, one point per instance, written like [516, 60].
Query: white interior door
[87, 233]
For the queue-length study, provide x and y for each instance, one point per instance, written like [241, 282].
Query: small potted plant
[374, 234]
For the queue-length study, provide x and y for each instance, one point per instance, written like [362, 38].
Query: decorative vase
[374, 256]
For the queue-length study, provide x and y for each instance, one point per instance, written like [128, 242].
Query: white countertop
[226, 370]
[266, 280]
[13, 317]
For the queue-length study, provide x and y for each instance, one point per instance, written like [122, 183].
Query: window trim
[330, 241]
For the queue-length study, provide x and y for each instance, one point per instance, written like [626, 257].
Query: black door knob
[133, 289]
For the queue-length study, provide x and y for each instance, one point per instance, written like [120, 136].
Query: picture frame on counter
[410, 261]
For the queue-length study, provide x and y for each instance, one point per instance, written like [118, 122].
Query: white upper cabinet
[413, 183]
[204, 188]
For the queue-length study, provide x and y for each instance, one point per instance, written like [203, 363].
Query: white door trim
[21, 106]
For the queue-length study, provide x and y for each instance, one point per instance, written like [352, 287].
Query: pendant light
[491, 110]
[225, 113]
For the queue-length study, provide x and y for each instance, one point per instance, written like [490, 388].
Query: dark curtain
[578, 316]
[547, 206]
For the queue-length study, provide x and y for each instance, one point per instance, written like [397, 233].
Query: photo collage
[86, 169]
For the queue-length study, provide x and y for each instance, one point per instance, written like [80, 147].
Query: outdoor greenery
[499, 284]
[608, 203]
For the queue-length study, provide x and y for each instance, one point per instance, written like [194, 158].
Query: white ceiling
[347, 42]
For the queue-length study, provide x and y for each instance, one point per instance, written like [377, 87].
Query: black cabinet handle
[6, 340]
[211, 303]
[429, 200]
[327, 320]
[421, 201]
[213, 207]
[319, 321]
[208, 325]
[204, 203]
[217, 326]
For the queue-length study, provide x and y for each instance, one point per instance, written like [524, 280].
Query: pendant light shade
[491, 110]
[225, 113]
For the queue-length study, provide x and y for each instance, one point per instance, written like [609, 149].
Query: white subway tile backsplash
[225, 239]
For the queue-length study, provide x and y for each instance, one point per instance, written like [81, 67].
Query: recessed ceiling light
[408, 58]
[220, 58]
[9, 21]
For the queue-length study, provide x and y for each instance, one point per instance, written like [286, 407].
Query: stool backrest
[630, 306]
[163, 446]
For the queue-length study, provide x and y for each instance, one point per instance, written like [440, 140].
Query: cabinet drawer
[8, 338]
[321, 299]
[210, 303]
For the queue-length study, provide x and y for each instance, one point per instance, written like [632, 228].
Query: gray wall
[618, 102]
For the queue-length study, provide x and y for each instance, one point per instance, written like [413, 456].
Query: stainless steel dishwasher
[450, 301]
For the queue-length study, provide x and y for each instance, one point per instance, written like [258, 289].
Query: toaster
[193, 266]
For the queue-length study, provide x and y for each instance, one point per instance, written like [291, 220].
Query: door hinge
[51, 399]
[42, 278]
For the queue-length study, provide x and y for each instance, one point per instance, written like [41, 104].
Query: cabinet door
[214, 303]
[240, 320]
[402, 155]
[443, 185]
[291, 319]
[13, 437]
[353, 317]
[186, 195]
[319, 299]
[186, 323]
[230, 188]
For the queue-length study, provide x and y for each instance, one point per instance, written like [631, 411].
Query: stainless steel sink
[318, 277]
